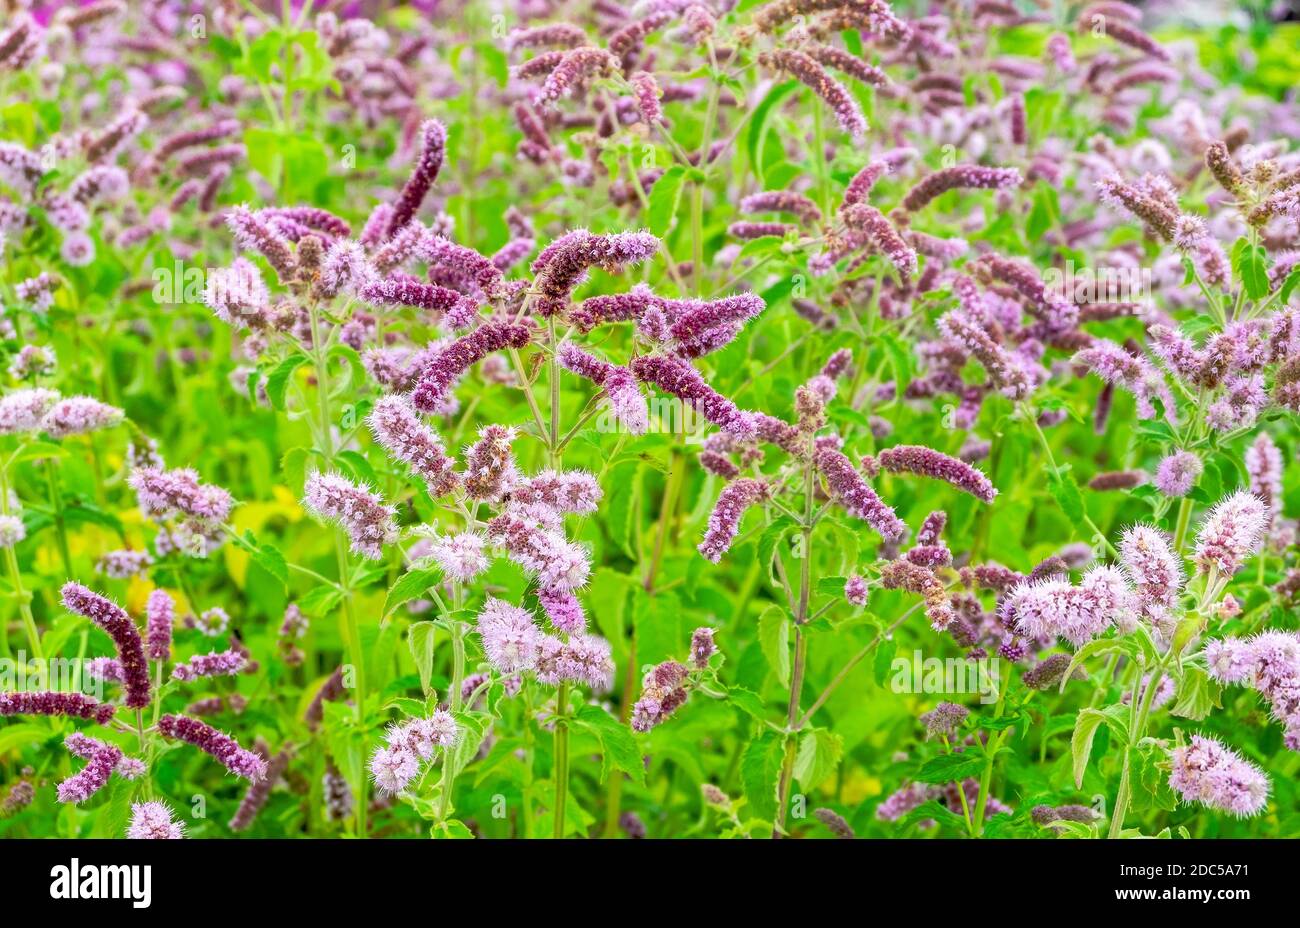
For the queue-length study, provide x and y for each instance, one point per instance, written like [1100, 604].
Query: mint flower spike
[237, 760]
[1232, 531]
[113, 619]
[807, 71]
[960, 176]
[433, 151]
[926, 462]
[850, 489]
[360, 512]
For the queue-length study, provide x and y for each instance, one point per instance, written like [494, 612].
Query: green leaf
[663, 199]
[1092, 649]
[618, 748]
[1197, 694]
[410, 585]
[112, 817]
[933, 811]
[1250, 265]
[277, 382]
[421, 639]
[900, 359]
[1043, 214]
[320, 601]
[883, 662]
[451, 828]
[269, 558]
[1085, 730]
[1066, 493]
[819, 754]
[748, 702]
[15, 737]
[472, 727]
[757, 131]
[1288, 286]
[37, 450]
[949, 768]
[760, 767]
[770, 538]
[774, 637]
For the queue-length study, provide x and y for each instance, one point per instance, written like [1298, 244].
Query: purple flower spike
[453, 360]
[153, 821]
[1232, 532]
[214, 664]
[855, 590]
[510, 637]
[626, 403]
[926, 462]
[961, 176]
[724, 521]
[703, 647]
[1177, 473]
[564, 264]
[432, 153]
[675, 376]
[1207, 772]
[858, 499]
[93, 777]
[358, 511]
[812, 75]
[221, 746]
[126, 637]
[564, 611]
[74, 705]
[159, 612]
[396, 426]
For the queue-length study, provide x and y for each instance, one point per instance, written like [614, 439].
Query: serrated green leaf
[760, 767]
[421, 638]
[774, 638]
[818, 756]
[410, 585]
[618, 748]
[950, 768]
[663, 200]
[277, 382]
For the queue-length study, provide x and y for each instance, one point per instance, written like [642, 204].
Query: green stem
[60, 525]
[15, 576]
[992, 748]
[561, 772]
[800, 654]
[961, 793]
[1184, 516]
[457, 678]
[1136, 733]
[351, 630]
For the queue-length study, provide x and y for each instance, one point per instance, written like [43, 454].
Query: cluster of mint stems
[1140, 708]
[324, 441]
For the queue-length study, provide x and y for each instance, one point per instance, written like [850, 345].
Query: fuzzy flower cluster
[1205, 771]
[408, 746]
[1232, 532]
[1269, 663]
[213, 664]
[397, 427]
[663, 691]
[153, 821]
[1053, 607]
[360, 512]
[513, 643]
